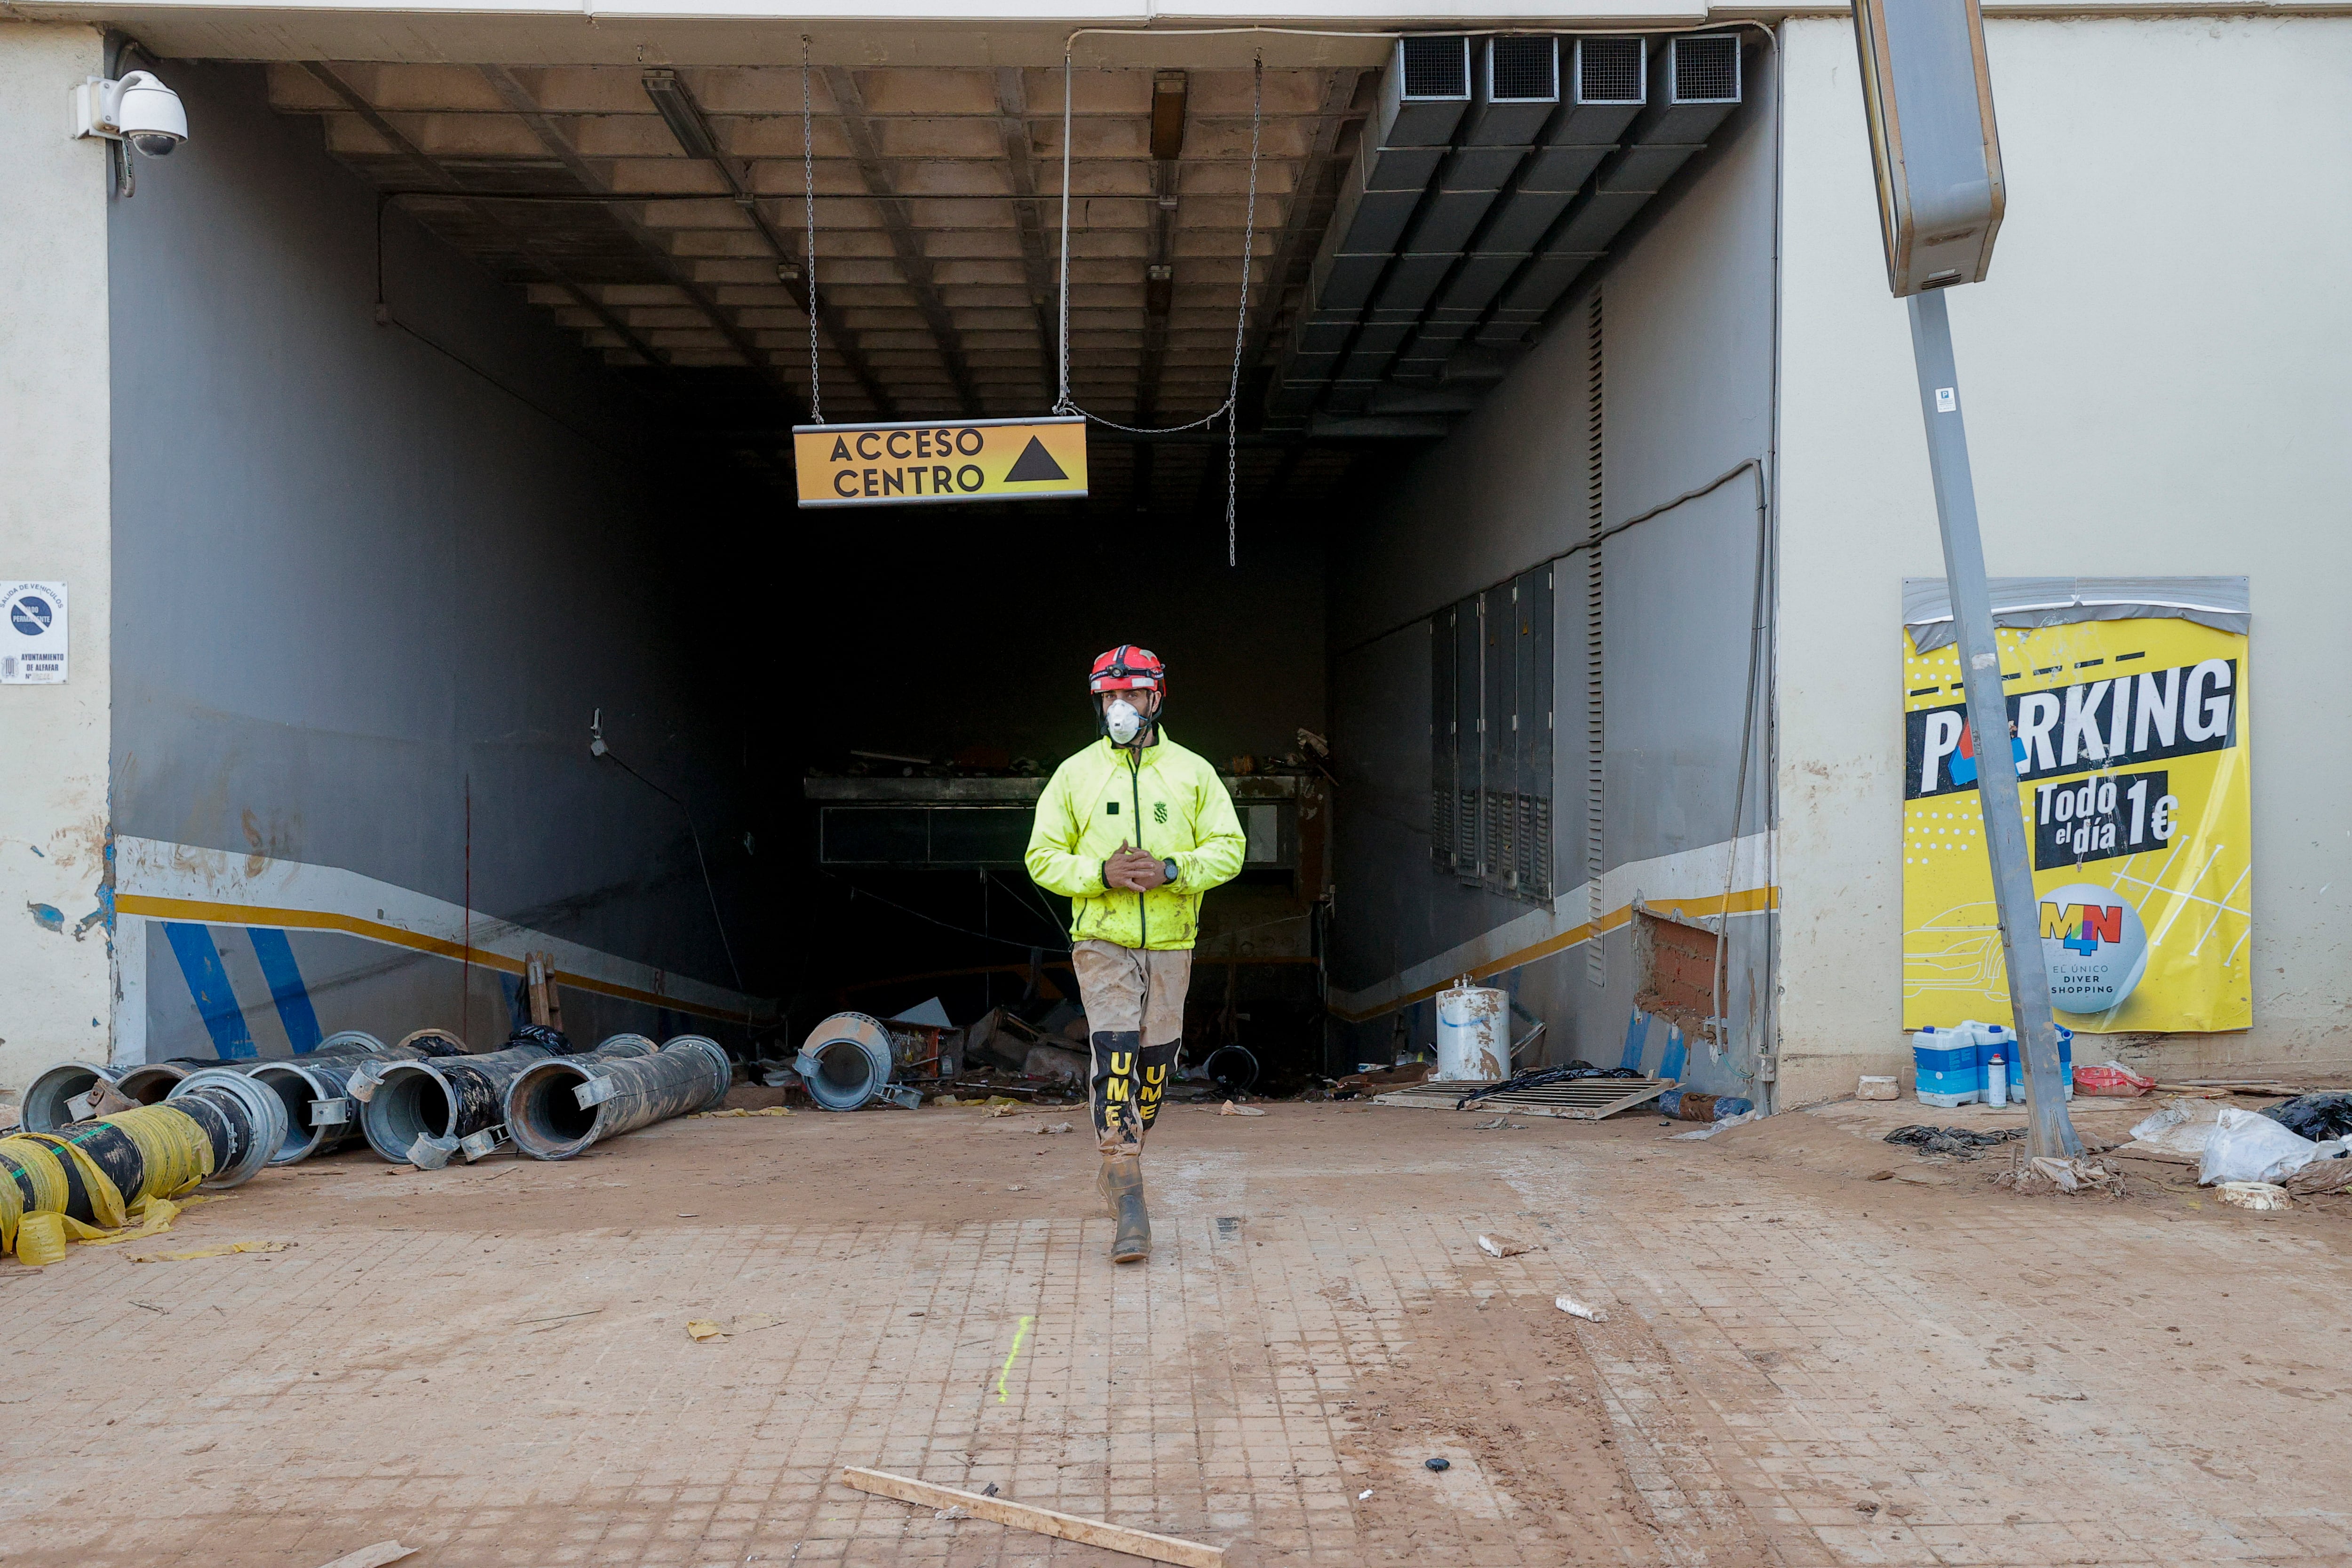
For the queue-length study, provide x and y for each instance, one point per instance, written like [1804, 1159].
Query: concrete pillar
[56, 854]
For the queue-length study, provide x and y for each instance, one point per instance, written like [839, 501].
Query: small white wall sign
[32, 634]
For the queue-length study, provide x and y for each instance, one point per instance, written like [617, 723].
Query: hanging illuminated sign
[964, 460]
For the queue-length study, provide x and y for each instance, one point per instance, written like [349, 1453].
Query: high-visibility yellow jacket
[1171, 805]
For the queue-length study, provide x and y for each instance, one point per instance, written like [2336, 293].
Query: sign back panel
[1928, 93]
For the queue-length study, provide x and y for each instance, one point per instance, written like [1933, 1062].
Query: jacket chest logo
[1160, 811]
[1110, 808]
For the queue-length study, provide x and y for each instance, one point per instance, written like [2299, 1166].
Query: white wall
[2156, 382]
[54, 872]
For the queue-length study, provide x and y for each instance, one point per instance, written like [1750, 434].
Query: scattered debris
[2263, 1198]
[1055, 1127]
[1042, 1520]
[1873, 1087]
[375, 1556]
[1576, 1309]
[2247, 1146]
[224, 1249]
[1500, 1124]
[1503, 1245]
[1372, 1080]
[1056, 1062]
[1439, 1464]
[2175, 1134]
[1689, 1105]
[953, 1511]
[1701, 1134]
[1959, 1142]
[2318, 1117]
[740, 1110]
[701, 1328]
[1230, 1109]
[1363, 1494]
[2111, 1080]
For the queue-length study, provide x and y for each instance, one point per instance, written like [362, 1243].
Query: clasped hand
[1133, 870]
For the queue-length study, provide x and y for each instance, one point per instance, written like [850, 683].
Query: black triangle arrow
[1033, 464]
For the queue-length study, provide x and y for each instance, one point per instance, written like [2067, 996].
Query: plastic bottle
[1944, 1064]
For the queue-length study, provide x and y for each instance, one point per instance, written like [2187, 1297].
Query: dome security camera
[137, 110]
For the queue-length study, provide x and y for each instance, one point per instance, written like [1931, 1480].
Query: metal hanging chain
[808, 249]
[1066, 403]
[1241, 323]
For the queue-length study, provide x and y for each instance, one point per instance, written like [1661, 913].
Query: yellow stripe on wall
[1746, 901]
[376, 931]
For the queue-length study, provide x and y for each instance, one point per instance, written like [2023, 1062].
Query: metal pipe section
[49, 1099]
[151, 1083]
[245, 1122]
[421, 1112]
[322, 1115]
[556, 1109]
[845, 1062]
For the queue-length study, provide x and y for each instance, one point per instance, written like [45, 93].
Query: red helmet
[1127, 668]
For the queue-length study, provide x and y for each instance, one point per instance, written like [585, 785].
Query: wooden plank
[1042, 1520]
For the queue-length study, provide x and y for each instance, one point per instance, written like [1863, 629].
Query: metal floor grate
[1589, 1100]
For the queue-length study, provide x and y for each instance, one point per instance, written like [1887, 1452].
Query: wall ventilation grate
[1706, 69]
[1525, 70]
[1436, 68]
[1595, 717]
[1609, 70]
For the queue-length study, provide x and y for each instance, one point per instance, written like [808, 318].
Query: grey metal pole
[2004, 820]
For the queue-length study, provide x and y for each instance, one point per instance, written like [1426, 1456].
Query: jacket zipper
[1135, 796]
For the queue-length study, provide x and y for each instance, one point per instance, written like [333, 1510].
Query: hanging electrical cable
[1064, 403]
[808, 250]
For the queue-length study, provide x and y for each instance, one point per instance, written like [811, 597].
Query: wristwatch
[1169, 866]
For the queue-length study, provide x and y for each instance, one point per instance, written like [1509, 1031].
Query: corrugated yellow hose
[33, 1166]
[177, 1154]
[107, 1207]
[41, 1239]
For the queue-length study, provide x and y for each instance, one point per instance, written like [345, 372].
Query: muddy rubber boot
[1106, 1182]
[1123, 1179]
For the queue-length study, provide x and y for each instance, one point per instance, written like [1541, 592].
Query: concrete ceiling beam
[849, 101]
[329, 79]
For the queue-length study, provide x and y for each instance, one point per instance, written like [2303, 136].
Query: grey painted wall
[353, 573]
[1688, 352]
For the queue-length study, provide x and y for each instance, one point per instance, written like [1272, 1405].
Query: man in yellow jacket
[1132, 831]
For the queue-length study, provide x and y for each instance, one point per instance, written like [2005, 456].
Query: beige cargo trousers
[1134, 999]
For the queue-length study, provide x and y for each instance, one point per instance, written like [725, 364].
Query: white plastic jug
[1473, 1034]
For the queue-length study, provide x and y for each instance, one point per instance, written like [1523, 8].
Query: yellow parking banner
[2130, 738]
[939, 461]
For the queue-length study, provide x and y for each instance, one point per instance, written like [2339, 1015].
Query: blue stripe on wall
[208, 983]
[286, 987]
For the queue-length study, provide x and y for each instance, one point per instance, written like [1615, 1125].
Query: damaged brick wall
[1676, 965]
